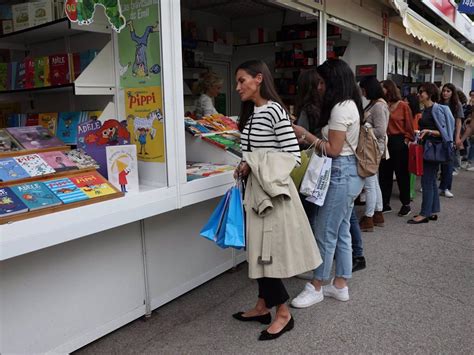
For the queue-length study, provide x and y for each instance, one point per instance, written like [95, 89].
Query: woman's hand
[242, 170]
[300, 133]
[425, 132]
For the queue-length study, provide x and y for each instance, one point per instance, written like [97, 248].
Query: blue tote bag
[214, 229]
[235, 224]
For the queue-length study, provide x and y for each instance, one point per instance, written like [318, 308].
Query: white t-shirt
[204, 106]
[345, 117]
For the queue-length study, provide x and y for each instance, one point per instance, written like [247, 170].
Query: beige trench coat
[280, 242]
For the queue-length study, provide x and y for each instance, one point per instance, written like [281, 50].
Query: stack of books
[200, 170]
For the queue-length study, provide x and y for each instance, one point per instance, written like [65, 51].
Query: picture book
[7, 143]
[93, 185]
[81, 159]
[39, 71]
[59, 69]
[47, 73]
[93, 115]
[19, 82]
[67, 126]
[31, 119]
[12, 75]
[66, 191]
[34, 165]
[10, 204]
[36, 195]
[200, 170]
[4, 77]
[21, 16]
[58, 161]
[122, 169]
[29, 80]
[35, 137]
[10, 170]
[41, 11]
[49, 121]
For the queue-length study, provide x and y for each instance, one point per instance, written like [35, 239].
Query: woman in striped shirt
[265, 124]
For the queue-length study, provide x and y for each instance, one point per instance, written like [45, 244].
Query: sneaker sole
[336, 298]
[387, 211]
[306, 305]
[404, 215]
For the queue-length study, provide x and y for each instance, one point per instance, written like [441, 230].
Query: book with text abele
[36, 195]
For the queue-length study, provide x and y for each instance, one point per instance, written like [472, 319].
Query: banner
[466, 7]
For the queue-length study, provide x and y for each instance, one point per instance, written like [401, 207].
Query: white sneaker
[307, 297]
[455, 173]
[448, 194]
[470, 168]
[340, 294]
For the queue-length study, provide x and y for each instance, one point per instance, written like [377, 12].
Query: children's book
[39, 73]
[49, 121]
[34, 165]
[29, 81]
[11, 170]
[35, 137]
[31, 119]
[4, 77]
[20, 76]
[66, 191]
[59, 69]
[122, 169]
[10, 204]
[93, 185]
[36, 195]
[67, 126]
[58, 161]
[8, 143]
[81, 159]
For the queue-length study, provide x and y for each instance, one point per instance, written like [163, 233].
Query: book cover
[93, 115]
[8, 143]
[21, 16]
[29, 81]
[48, 121]
[19, 82]
[4, 77]
[35, 195]
[93, 185]
[59, 69]
[34, 165]
[39, 71]
[31, 119]
[5, 12]
[35, 137]
[10, 170]
[81, 159]
[122, 169]
[93, 136]
[67, 126]
[47, 72]
[41, 11]
[66, 191]
[58, 161]
[10, 204]
[12, 75]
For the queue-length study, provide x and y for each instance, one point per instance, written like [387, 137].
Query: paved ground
[416, 296]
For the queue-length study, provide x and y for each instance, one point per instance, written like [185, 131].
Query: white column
[323, 35]
[451, 73]
[433, 68]
[385, 58]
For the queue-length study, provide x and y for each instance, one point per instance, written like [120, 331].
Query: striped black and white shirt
[270, 128]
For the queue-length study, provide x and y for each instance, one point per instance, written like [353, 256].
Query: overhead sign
[442, 7]
[365, 70]
[466, 7]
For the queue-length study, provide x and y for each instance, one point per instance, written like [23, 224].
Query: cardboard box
[21, 16]
[41, 12]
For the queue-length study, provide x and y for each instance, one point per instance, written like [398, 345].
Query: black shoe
[386, 209]
[358, 263]
[264, 319]
[264, 335]
[424, 220]
[433, 217]
[404, 211]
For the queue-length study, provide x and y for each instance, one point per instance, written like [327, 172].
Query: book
[200, 170]
[29, 79]
[35, 137]
[19, 82]
[49, 121]
[67, 126]
[81, 159]
[93, 185]
[122, 169]
[10, 204]
[21, 16]
[10, 170]
[4, 77]
[34, 165]
[39, 71]
[58, 161]
[8, 143]
[35, 195]
[31, 119]
[41, 11]
[66, 191]
[12, 75]
[59, 69]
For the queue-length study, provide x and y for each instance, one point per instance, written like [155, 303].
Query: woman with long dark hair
[414, 103]
[275, 214]
[308, 101]
[449, 97]
[340, 121]
[400, 132]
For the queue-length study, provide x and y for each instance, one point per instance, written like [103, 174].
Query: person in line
[449, 97]
[341, 116]
[274, 214]
[436, 125]
[376, 114]
[400, 132]
[414, 103]
[208, 86]
[358, 258]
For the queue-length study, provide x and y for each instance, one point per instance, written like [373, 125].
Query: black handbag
[438, 152]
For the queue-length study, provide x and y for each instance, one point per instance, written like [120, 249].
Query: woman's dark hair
[372, 87]
[340, 86]
[308, 98]
[267, 89]
[414, 104]
[431, 89]
[393, 94]
[462, 97]
[454, 102]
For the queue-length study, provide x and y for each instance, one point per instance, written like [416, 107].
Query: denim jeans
[331, 222]
[430, 199]
[356, 235]
[446, 181]
[373, 195]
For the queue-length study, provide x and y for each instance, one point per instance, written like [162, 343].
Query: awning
[422, 29]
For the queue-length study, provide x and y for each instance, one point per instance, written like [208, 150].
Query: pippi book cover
[93, 137]
[145, 122]
[122, 167]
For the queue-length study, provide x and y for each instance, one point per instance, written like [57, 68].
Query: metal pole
[145, 269]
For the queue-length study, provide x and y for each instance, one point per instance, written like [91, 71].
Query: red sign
[446, 7]
[385, 24]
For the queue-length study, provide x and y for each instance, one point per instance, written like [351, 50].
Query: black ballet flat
[264, 319]
[265, 335]
[424, 220]
[433, 217]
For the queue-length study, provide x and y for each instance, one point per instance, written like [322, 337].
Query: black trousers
[398, 162]
[272, 291]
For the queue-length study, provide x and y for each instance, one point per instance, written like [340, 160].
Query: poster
[145, 122]
[140, 44]
[391, 59]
